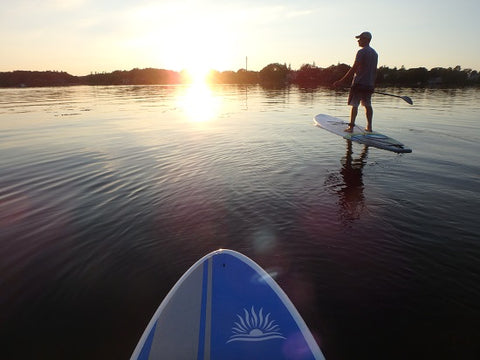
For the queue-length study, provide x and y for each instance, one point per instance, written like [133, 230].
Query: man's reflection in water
[349, 186]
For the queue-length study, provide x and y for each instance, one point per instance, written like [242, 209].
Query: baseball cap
[365, 35]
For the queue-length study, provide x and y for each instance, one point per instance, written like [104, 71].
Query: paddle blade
[407, 99]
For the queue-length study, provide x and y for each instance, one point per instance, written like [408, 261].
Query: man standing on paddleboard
[364, 72]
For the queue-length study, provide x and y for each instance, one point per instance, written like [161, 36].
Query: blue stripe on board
[147, 345]
[203, 310]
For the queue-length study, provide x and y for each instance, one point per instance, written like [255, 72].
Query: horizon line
[460, 68]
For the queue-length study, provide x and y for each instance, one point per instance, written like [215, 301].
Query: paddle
[406, 98]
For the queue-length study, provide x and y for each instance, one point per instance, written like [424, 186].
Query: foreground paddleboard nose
[227, 307]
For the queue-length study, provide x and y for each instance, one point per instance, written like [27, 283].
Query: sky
[88, 36]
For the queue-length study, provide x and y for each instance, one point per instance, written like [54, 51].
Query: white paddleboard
[226, 307]
[337, 126]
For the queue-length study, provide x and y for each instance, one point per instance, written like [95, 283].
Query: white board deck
[337, 126]
[227, 307]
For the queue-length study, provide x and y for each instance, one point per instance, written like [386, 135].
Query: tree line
[274, 74]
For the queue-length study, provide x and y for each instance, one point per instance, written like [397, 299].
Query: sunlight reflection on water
[199, 103]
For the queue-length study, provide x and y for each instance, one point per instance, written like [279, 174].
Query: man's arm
[350, 72]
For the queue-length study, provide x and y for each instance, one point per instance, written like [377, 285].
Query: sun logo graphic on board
[255, 326]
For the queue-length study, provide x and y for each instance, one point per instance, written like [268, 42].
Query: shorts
[360, 94]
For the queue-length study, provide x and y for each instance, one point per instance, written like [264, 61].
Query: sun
[187, 37]
[196, 45]
[197, 73]
[193, 55]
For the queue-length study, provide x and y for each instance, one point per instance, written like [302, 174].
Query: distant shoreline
[273, 74]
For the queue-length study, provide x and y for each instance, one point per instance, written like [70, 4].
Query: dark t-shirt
[367, 59]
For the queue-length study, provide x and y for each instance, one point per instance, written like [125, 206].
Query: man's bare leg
[353, 116]
[369, 113]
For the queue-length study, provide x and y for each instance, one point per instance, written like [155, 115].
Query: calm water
[108, 194]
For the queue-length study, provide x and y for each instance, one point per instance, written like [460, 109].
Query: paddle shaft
[406, 98]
